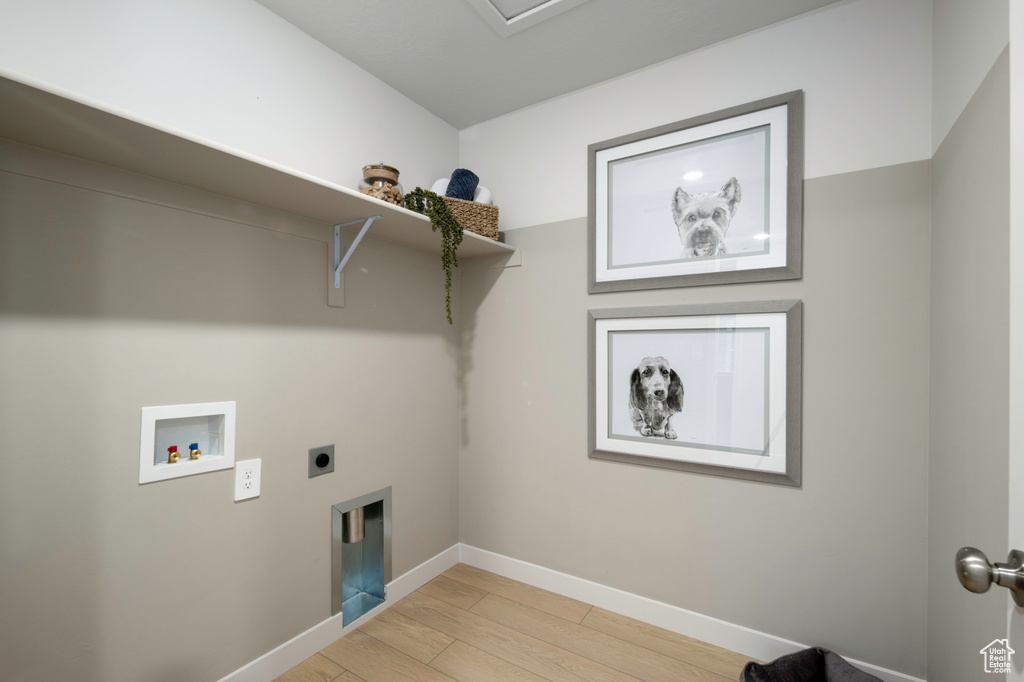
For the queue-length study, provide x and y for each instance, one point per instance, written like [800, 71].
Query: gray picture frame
[624, 449]
[714, 269]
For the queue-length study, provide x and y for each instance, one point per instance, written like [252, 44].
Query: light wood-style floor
[469, 625]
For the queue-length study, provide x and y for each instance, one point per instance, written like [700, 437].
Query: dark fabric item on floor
[809, 665]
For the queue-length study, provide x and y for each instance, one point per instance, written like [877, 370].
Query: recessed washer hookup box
[201, 434]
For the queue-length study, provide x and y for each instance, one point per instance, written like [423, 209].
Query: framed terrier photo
[712, 388]
[715, 199]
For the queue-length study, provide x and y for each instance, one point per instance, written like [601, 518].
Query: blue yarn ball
[462, 185]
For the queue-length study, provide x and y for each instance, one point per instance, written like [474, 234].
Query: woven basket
[481, 219]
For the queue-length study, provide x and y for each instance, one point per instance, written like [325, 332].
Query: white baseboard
[301, 647]
[737, 638]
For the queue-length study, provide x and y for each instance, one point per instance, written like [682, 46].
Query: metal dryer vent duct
[352, 525]
[360, 554]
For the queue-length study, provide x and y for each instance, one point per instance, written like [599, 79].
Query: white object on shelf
[211, 425]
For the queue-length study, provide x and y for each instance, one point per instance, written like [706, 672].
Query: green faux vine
[432, 205]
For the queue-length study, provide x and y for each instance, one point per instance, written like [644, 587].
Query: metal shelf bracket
[339, 262]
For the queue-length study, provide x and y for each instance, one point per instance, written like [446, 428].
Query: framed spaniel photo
[713, 388]
[715, 199]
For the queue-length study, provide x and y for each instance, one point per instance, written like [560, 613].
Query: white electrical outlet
[247, 479]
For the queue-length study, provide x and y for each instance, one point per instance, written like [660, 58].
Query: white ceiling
[444, 56]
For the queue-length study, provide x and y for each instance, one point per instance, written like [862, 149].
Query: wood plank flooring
[469, 625]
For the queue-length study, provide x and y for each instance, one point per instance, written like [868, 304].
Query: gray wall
[829, 564]
[969, 424]
[109, 304]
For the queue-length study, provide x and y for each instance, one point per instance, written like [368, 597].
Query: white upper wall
[864, 66]
[229, 71]
[967, 37]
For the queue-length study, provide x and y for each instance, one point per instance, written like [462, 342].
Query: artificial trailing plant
[432, 205]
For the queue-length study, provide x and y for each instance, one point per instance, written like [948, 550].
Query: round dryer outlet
[321, 460]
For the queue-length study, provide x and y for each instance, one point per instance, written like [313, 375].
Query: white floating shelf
[43, 116]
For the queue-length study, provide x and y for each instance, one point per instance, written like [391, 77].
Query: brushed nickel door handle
[976, 573]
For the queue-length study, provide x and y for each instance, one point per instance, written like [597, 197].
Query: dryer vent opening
[360, 554]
